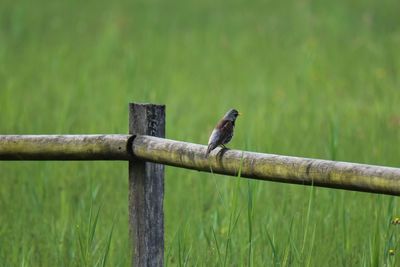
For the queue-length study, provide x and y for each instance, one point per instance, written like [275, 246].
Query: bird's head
[231, 115]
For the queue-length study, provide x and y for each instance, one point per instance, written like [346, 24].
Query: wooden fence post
[146, 190]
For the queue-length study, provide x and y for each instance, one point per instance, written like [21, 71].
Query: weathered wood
[333, 174]
[350, 176]
[146, 190]
[64, 147]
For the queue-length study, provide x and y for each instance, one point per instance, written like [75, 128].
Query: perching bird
[223, 131]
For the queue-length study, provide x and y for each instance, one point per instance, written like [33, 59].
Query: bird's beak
[240, 113]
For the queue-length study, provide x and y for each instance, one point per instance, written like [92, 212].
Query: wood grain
[146, 190]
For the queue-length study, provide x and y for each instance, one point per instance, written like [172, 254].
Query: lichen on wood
[64, 147]
[270, 167]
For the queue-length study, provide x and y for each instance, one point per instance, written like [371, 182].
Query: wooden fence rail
[65, 147]
[269, 167]
[147, 152]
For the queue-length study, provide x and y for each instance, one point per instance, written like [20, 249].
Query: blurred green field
[313, 78]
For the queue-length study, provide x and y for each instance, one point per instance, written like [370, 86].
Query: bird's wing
[214, 136]
[220, 132]
[213, 141]
[226, 132]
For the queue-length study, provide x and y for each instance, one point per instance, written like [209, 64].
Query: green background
[313, 79]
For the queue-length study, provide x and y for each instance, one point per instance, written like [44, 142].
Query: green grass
[313, 78]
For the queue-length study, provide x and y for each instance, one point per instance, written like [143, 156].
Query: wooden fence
[147, 151]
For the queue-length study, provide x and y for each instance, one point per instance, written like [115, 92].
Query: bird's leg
[223, 146]
[222, 151]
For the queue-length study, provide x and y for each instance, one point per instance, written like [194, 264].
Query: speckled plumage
[223, 131]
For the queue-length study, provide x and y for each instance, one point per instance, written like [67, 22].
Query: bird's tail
[209, 149]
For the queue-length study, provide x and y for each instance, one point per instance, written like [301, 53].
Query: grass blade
[107, 246]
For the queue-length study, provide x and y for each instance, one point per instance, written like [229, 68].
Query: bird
[223, 131]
